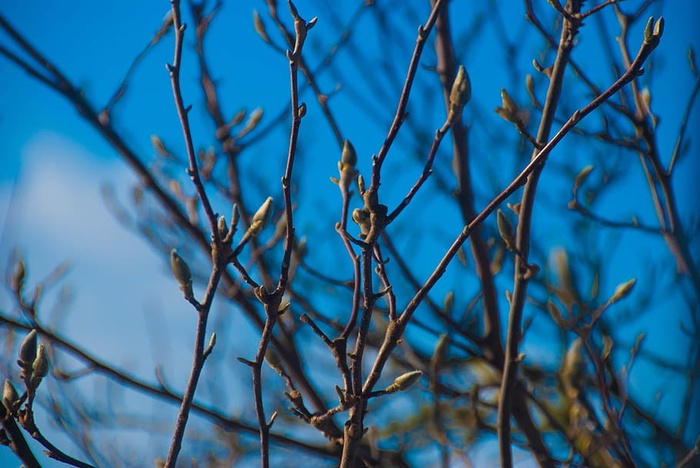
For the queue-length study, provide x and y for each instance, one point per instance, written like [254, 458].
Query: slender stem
[517, 303]
[182, 113]
[517, 182]
[200, 352]
[447, 68]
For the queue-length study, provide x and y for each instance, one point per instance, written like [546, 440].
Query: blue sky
[53, 166]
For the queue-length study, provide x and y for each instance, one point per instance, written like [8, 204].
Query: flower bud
[459, 94]
[222, 228]
[346, 166]
[235, 215]
[440, 352]
[622, 290]
[260, 218]
[260, 27]
[182, 273]
[505, 229]
[572, 369]
[274, 361]
[582, 176]
[17, 280]
[41, 363]
[9, 396]
[510, 110]
[27, 350]
[348, 157]
[404, 381]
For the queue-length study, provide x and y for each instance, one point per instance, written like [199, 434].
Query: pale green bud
[41, 363]
[622, 290]
[260, 218]
[9, 396]
[27, 350]
[182, 273]
[459, 94]
[505, 229]
[404, 381]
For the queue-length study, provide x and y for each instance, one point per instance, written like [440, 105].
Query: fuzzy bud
[182, 273]
[260, 218]
[505, 229]
[41, 363]
[459, 94]
[346, 166]
[572, 369]
[362, 219]
[222, 228]
[260, 27]
[440, 352]
[622, 290]
[510, 110]
[9, 396]
[274, 361]
[17, 280]
[235, 216]
[27, 350]
[404, 381]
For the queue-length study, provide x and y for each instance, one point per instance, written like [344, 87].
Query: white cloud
[58, 215]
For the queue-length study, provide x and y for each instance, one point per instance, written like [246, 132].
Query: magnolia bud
[41, 363]
[222, 228]
[9, 396]
[572, 369]
[27, 350]
[260, 218]
[349, 155]
[510, 110]
[182, 273]
[459, 94]
[505, 229]
[404, 381]
[622, 290]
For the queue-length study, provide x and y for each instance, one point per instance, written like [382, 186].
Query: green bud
[510, 110]
[158, 145]
[505, 229]
[459, 94]
[27, 350]
[260, 27]
[181, 270]
[9, 396]
[260, 218]
[607, 347]
[254, 119]
[440, 352]
[222, 228]
[17, 281]
[41, 363]
[582, 176]
[348, 157]
[182, 273]
[404, 381]
[274, 361]
[40, 368]
[572, 369]
[346, 166]
[362, 219]
[448, 302]
[361, 184]
[235, 215]
[659, 28]
[622, 290]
